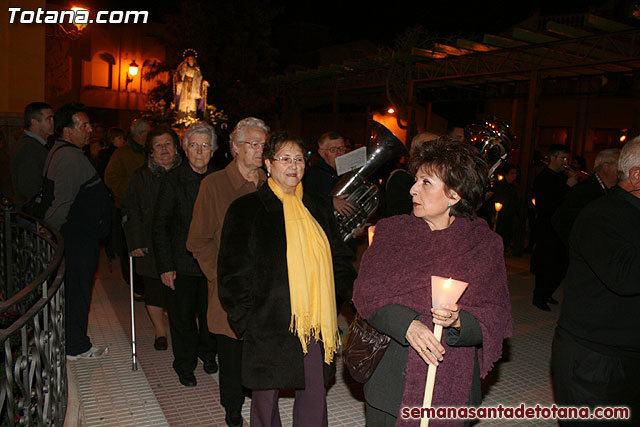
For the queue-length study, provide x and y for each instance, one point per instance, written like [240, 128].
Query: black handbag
[39, 204]
[363, 349]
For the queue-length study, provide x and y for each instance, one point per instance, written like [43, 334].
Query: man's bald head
[423, 137]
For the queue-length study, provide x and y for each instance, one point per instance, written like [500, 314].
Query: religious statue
[189, 87]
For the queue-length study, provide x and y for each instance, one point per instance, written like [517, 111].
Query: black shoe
[542, 305]
[552, 300]
[188, 380]
[160, 343]
[209, 364]
[233, 418]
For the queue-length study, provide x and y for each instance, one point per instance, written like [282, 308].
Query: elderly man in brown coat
[217, 191]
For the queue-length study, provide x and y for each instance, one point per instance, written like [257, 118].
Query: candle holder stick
[446, 291]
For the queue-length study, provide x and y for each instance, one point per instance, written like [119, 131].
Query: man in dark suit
[28, 161]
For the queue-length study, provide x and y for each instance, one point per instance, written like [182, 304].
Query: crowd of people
[252, 271]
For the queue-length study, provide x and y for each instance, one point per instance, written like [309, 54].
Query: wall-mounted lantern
[133, 71]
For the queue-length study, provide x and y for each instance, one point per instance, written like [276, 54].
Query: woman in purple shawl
[443, 238]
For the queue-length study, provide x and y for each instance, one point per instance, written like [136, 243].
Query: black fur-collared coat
[172, 217]
[253, 286]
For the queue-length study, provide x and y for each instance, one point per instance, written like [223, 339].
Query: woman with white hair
[242, 176]
[178, 270]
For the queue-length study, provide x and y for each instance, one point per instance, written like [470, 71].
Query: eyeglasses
[254, 144]
[288, 160]
[334, 150]
[194, 146]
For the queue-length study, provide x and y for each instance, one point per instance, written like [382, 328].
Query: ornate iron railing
[32, 353]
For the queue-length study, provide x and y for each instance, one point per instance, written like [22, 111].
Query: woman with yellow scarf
[281, 258]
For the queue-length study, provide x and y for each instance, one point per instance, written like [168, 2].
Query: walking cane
[134, 366]
[446, 291]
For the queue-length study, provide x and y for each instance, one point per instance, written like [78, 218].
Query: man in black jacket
[28, 162]
[321, 177]
[550, 258]
[605, 176]
[596, 347]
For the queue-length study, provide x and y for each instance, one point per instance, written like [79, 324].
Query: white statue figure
[190, 88]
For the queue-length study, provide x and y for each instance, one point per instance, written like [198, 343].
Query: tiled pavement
[111, 394]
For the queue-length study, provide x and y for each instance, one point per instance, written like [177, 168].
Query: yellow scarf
[310, 269]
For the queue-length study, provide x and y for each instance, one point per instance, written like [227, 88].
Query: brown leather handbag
[363, 349]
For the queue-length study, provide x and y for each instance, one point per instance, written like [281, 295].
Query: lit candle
[370, 232]
[498, 207]
[447, 291]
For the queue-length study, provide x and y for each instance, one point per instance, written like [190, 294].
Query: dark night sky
[356, 20]
[353, 20]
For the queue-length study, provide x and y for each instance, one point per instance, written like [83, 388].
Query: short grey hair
[629, 158]
[203, 128]
[139, 126]
[243, 125]
[605, 156]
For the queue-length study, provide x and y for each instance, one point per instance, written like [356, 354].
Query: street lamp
[83, 11]
[133, 71]
[73, 29]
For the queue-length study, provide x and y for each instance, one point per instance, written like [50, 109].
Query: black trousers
[189, 339]
[584, 377]
[81, 261]
[551, 263]
[230, 363]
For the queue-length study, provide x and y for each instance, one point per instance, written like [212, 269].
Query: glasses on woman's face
[335, 150]
[193, 146]
[254, 144]
[288, 160]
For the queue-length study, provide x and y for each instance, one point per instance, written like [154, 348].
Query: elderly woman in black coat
[179, 271]
[137, 207]
[280, 259]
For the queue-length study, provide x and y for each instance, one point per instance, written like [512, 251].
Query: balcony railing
[33, 373]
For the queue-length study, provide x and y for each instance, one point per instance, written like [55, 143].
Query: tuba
[383, 146]
[493, 139]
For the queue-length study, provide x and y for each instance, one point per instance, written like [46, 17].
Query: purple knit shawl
[397, 269]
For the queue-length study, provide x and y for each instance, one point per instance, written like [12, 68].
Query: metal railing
[33, 374]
